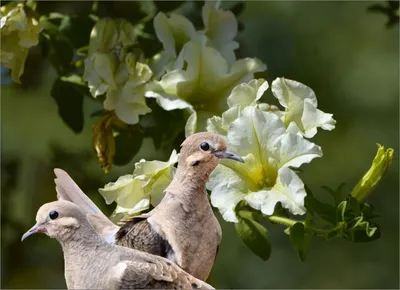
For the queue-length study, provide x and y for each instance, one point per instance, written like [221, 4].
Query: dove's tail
[68, 190]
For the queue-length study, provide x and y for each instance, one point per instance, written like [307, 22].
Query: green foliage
[390, 10]
[127, 144]
[254, 235]
[70, 104]
[300, 237]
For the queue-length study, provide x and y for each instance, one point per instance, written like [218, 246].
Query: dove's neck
[189, 183]
[81, 238]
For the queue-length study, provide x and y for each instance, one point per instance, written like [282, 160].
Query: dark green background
[337, 48]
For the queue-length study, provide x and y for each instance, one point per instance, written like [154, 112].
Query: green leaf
[367, 211]
[61, 53]
[323, 210]
[253, 235]
[355, 222]
[164, 127]
[336, 194]
[300, 239]
[70, 104]
[354, 205]
[127, 144]
[333, 234]
[365, 232]
[237, 8]
[77, 29]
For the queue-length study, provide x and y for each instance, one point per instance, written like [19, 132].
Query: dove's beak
[221, 154]
[38, 228]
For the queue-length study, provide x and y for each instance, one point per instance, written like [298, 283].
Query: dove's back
[106, 266]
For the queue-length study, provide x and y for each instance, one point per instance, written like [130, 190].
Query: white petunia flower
[198, 69]
[221, 28]
[128, 99]
[243, 95]
[203, 82]
[265, 178]
[135, 192]
[111, 70]
[301, 115]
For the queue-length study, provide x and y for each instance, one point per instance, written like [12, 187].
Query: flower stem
[290, 222]
[282, 220]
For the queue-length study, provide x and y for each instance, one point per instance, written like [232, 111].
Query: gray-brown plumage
[92, 263]
[182, 228]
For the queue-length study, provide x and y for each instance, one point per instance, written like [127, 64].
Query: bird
[93, 263]
[182, 227]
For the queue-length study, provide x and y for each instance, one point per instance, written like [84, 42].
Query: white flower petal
[197, 122]
[99, 72]
[223, 174]
[294, 129]
[221, 27]
[173, 32]
[225, 197]
[214, 125]
[255, 132]
[129, 112]
[244, 69]
[157, 189]
[288, 190]
[293, 150]
[246, 94]
[126, 191]
[301, 107]
[313, 118]
[166, 101]
[290, 92]
[149, 168]
[228, 52]
[170, 81]
[139, 207]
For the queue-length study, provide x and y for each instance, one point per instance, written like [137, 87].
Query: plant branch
[290, 222]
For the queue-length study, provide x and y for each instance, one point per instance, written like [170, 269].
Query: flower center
[270, 174]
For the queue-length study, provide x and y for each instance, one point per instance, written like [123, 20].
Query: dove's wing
[154, 273]
[68, 190]
[137, 233]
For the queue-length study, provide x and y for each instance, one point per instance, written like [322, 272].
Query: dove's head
[202, 152]
[58, 219]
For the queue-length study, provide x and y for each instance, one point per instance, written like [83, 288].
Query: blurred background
[344, 53]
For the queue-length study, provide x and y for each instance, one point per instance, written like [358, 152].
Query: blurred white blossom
[199, 68]
[135, 192]
[19, 32]
[112, 70]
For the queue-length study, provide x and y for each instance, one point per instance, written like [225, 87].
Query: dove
[93, 263]
[182, 227]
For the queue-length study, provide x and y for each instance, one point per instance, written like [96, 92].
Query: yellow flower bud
[379, 166]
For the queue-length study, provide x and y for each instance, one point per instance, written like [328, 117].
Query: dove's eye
[53, 215]
[204, 146]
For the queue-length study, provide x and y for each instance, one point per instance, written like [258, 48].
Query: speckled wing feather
[155, 273]
[137, 233]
